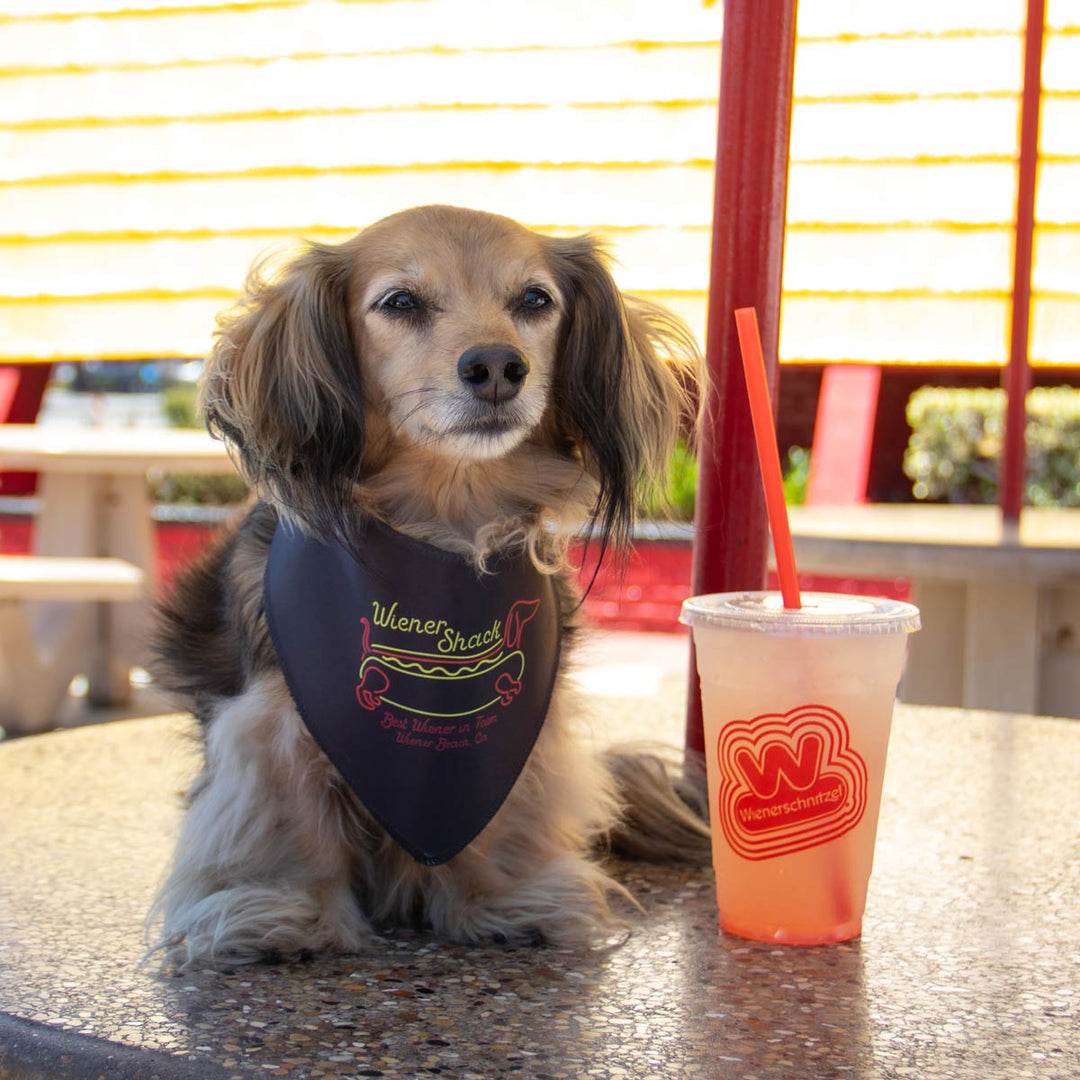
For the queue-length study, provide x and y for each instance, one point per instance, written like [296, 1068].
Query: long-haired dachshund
[428, 413]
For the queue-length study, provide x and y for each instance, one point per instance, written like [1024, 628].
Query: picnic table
[94, 506]
[1000, 612]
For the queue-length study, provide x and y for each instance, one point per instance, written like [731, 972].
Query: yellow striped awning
[152, 151]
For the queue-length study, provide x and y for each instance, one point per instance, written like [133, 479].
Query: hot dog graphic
[434, 684]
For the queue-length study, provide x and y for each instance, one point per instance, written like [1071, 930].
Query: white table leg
[102, 515]
[42, 650]
[65, 526]
[1001, 665]
[129, 535]
[66, 523]
[934, 674]
[1059, 665]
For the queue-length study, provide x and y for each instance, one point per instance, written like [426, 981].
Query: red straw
[768, 456]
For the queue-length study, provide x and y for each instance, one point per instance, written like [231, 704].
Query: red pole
[1017, 375]
[749, 203]
[22, 386]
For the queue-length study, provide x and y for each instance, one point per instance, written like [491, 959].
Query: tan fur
[337, 395]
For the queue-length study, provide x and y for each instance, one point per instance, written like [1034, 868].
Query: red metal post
[749, 202]
[22, 386]
[1017, 375]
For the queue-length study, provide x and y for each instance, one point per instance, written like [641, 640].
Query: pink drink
[797, 707]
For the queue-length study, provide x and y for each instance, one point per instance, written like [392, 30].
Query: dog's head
[450, 334]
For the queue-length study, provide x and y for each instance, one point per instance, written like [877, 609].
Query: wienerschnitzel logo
[788, 781]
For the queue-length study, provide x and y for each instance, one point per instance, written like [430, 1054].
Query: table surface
[930, 540]
[968, 965]
[110, 450]
[927, 523]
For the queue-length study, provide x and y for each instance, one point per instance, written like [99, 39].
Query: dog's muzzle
[494, 373]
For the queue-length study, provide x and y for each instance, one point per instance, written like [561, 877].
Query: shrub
[178, 405]
[678, 500]
[682, 484]
[796, 475]
[956, 438]
[199, 489]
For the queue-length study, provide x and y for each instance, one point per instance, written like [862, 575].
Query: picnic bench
[46, 619]
[78, 604]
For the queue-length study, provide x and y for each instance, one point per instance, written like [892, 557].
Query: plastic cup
[797, 709]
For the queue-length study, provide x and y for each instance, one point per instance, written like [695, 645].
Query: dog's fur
[339, 388]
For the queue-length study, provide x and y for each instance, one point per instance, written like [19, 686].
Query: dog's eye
[401, 300]
[533, 299]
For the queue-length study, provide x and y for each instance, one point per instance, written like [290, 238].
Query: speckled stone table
[969, 965]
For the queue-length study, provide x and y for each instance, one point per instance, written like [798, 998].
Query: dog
[455, 393]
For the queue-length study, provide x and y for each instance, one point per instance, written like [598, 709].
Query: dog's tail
[665, 814]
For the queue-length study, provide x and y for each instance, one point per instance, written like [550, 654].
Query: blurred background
[152, 151]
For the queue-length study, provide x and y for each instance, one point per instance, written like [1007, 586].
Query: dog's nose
[494, 373]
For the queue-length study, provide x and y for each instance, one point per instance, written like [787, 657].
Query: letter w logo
[763, 774]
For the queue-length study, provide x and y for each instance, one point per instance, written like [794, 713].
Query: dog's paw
[252, 924]
[567, 902]
[530, 937]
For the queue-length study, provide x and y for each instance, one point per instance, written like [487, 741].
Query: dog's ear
[627, 375]
[282, 386]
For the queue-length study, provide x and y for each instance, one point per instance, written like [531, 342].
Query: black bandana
[425, 683]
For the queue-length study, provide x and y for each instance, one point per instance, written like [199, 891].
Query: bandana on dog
[425, 683]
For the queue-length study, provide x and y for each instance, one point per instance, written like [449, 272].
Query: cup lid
[821, 613]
